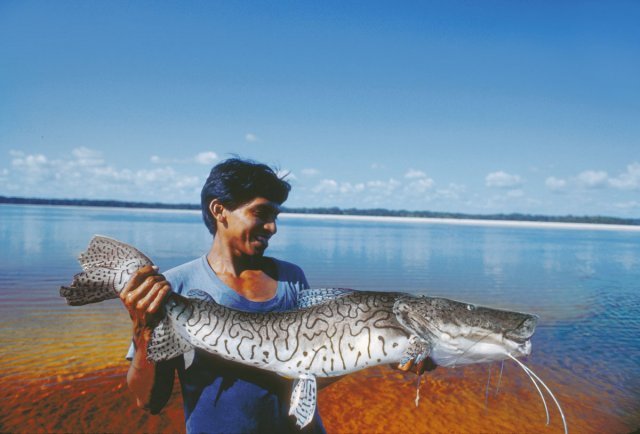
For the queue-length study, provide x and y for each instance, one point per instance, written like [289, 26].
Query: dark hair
[235, 182]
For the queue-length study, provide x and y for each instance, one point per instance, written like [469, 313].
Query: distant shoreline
[472, 222]
[514, 219]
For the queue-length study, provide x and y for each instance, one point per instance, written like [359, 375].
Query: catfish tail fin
[108, 265]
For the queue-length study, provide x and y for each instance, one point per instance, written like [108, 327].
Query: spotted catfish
[333, 332]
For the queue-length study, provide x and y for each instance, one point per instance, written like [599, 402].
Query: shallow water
[583, 284]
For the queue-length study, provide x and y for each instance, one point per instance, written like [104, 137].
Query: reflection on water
[583, 284]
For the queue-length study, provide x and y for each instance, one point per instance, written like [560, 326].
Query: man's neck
[223, 260]
[244, 274]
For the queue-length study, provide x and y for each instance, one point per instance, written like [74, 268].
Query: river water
[583, 283]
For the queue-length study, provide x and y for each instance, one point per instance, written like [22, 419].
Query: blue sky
[474, 106]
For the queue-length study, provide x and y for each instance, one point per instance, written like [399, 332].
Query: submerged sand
[378, 400]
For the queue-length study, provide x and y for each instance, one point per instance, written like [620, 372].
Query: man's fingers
[137, 278]
[151, 301]
[132, 297]
[157, 302]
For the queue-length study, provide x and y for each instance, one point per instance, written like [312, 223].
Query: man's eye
[266, 215]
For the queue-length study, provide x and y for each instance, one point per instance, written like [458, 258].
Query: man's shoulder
[288, 268]
[185, 273]
[291, 274]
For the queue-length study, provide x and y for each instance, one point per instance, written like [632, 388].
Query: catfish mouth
[524, 331]
[482, 345]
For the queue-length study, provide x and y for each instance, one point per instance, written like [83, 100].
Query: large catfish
[333, 332]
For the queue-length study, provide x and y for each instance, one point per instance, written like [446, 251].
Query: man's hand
[143, 296]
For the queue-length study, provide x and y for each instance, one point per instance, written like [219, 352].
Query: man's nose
[271, 227]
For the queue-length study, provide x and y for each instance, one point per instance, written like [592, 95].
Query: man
[240, 203]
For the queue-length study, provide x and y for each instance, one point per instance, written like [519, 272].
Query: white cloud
[348, 187]
[593, 178]
[419, 186]
[87, 157]
[326, 186]
[310, 172]
[383, 187]
[452, 191]
[206, 158]
[413, 174]
[30, 162]
[84, 174]
[629, 180]
[502, 179]
[555, 184]
[251, 138]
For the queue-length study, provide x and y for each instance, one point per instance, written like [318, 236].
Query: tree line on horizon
[378, 212]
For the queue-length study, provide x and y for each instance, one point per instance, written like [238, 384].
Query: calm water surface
[584, 285]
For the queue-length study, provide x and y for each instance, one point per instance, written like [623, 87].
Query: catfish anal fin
[303, 399]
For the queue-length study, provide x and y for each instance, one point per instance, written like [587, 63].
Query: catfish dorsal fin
[315, 296]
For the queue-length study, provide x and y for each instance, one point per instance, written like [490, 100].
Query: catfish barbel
[334, 332]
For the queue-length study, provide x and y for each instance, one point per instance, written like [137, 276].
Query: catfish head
[458, 333]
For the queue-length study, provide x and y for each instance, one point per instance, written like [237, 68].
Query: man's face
[250, 226]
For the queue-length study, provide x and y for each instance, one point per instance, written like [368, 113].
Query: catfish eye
[471, 307]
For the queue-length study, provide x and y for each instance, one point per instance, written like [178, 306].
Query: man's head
[235, 182]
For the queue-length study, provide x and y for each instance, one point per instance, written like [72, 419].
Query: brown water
[65, 372]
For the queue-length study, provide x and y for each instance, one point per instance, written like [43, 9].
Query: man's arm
[143, 295]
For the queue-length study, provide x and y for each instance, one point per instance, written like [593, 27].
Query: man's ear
[217, 210]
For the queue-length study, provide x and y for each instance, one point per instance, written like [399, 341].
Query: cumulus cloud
[413, 174]
[326, 186]
[83, 173]
[332, 187]
[451, 192]
[251, 138]
[593, 178]
[30, 163]
[383, 187]
[502, 179]
[555, 184]
[206, 158]
[310, 172]
[87, 157]
[629, 180]
[419, 186]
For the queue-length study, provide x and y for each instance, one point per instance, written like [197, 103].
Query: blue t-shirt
[220, 396]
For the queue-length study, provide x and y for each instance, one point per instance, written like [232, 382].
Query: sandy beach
[469, 222]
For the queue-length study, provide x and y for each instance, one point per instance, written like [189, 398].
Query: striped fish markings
[334, 332]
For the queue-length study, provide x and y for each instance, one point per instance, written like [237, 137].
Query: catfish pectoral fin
[166, 344]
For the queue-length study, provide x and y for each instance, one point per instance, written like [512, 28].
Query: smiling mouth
[262, 240]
